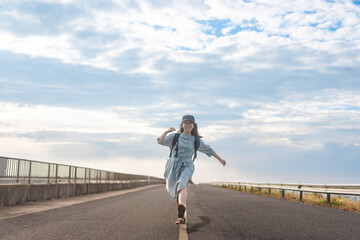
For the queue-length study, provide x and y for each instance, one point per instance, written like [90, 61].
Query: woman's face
[188, 126]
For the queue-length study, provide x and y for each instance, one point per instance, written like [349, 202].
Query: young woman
[180, 167]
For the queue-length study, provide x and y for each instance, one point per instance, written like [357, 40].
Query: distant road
[213, 213]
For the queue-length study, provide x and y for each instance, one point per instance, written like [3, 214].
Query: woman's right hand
[170, 130]
[161, 138]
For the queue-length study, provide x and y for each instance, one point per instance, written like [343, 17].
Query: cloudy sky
[274, 85]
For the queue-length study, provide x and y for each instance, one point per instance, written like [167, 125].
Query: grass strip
[347, 203]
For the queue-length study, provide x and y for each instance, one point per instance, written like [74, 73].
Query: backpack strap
[197, 145]
[174, 141]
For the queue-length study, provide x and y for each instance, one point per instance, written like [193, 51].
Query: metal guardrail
[13, 170]
[328, 189]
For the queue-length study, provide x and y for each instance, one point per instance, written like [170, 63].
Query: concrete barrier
[13, 194]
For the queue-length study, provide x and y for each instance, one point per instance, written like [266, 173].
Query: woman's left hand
[223, 162]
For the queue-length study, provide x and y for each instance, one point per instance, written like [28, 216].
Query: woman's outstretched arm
[204, 148]
[222, 161]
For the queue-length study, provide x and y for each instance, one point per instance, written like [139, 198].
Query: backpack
[175, 141]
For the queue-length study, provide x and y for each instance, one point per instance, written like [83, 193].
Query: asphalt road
[145, 214]
[216, 213]
[213, 213]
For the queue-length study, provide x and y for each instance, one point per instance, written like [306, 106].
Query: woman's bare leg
[182, 196]
[181, 200]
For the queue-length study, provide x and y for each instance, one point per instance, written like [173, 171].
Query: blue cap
[188, 118]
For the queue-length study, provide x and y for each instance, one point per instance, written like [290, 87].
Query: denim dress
[179, 170]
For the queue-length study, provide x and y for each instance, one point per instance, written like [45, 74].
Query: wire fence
[14, 170]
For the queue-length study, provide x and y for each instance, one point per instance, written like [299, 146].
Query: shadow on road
[204, 221]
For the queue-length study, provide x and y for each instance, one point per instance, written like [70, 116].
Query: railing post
[56, 173]
[269, 190]
[69, 174]
[18, 172]
[90, 176]
[85, 174]
[30, 172]
[283, 193]
[301, 195]
[75, 174]
[328, 198]
[49, 173]
[259, 189]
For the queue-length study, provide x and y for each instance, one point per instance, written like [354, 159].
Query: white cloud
[295, 118]
[79, 154]
[171, 31]
[299, 120]
[20, 16]
[21, 119]
[57, 1]
[58, 47]
[312, 107]
[271, 141]
[230, 103]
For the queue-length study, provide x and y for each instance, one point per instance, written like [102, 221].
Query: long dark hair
[194, 131]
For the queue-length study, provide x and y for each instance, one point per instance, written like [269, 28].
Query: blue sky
[274, 86]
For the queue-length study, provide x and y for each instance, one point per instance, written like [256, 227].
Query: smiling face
[188, 126]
